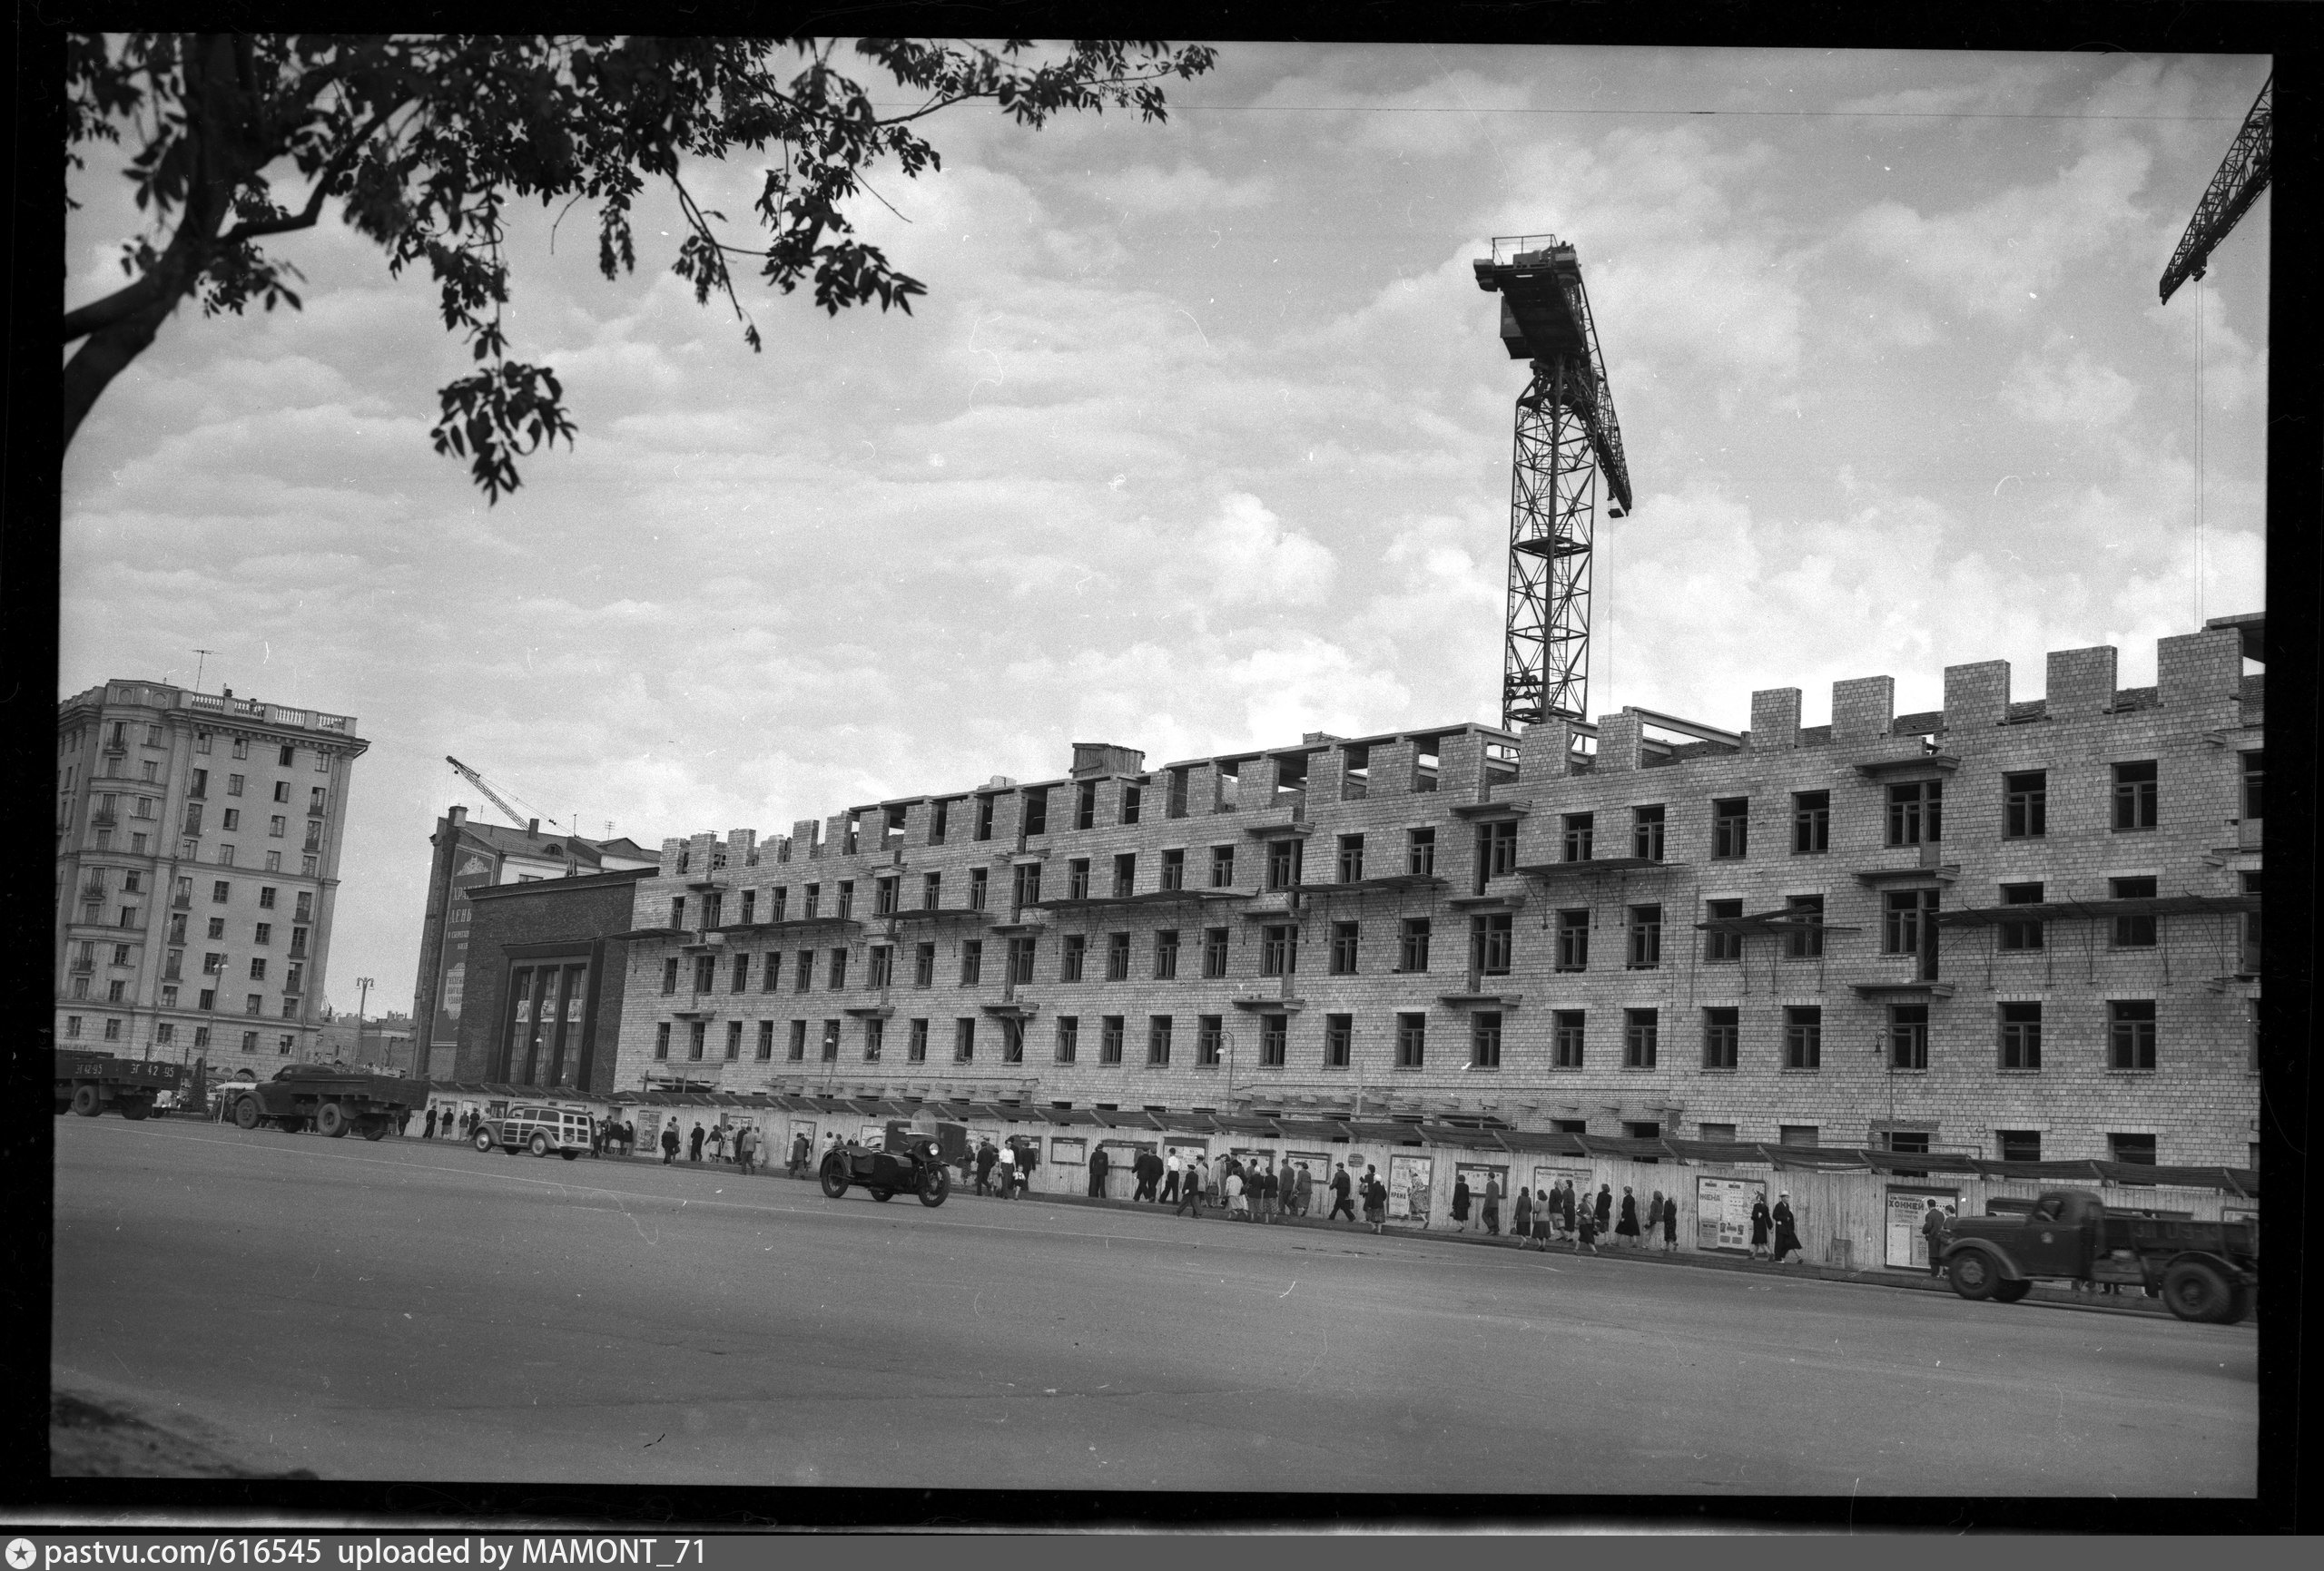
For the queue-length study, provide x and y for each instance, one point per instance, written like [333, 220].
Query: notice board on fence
[1403, 1173]
[1906, 1246]
[1723, 1212]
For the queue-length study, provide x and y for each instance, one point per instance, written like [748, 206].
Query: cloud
[1148, 191]
[2079, 392]
[1247, 557]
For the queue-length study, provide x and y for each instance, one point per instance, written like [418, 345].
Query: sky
[1200, 440]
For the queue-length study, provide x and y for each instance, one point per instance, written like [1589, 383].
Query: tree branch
[305, 219]
[116, 307]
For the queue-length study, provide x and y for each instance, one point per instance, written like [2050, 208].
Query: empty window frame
[838, 979]
[1581, 835]
[2020, 934]
[1283, 864]
[2134, 929]
[1491, 941]
[1916, 812]
[1731, 827]
[798, 1041]
[1412, 945]
[1645, 937]
[2020, 1027]
[1722, 946]
[1566, 1039]
[2018, 1145]
[1908, 927]
[1222, 867]
[1210, 1037]
[916, 1043]
[1908, 1035]
[1339, 1039]
[1722, 1035]
[2025, 805]
[1278, 949]
[1077, 878]
[1214, 953]
[1351, 864]
[1274, 1040]
[1109, 1040]
[1343, 948]
[964, 1037]
[1640, 1029]
[1068, 1037]
[1174, 869]
[2131, 1026]
[1157, 1040]
[2136, 804]
[1484, 1039]
[1496, 849]
[1805, 939]
[1025, 887]
[1811, 822]
[923, 965]
[1117, 956]
[1803, 1037]
[1420, 853]
[1412, 1041]
[1125, 875]
[1646, 832]
[971, 962]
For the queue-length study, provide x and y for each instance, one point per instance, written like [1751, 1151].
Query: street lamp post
[362, 996]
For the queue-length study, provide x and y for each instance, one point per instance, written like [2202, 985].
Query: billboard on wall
[1723, 1212]
[470, 869]
[1410, 1179]
[1907, 1244]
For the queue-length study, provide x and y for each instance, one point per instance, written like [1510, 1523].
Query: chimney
[229, 692]
[532, 826]
[457, 815]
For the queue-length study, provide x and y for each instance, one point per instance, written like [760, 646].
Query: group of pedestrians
[1005, 1170]
[1775, 1233]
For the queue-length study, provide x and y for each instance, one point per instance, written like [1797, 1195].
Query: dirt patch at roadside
[90, 1438]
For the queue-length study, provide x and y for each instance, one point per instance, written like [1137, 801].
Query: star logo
[21, 1553]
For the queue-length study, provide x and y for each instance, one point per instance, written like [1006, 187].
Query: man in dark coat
[669, 1143]
[798, 1155]
[986, 1156]
[1787, 1229]
[1605, 1208]
[1149, 1175]
[427, 1131]
[1342, 1187]
[693, 1142]
[1099, 1164]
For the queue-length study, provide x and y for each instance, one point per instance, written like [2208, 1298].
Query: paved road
[408, 1311]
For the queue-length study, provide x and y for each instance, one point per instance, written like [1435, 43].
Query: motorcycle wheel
[883, 1194]
[934, 1185]
[834, 1177]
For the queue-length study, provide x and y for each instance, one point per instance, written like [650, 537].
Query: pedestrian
[1170, 1179]
[717, 1144]
[427, 1130]
[1029, 1157]
[1375, 1199]
[1626, 1230]
[1542, 1213]
[1932, 1229]
[403, 1120]
[986, 1157]
[1237, 1207]
[1205, 1183]
[1098, 1165]
[669, 1143]
[1459, 1202]
[1270, 1195]
[797, 1164]
[628, 1137]
[1307, 1190]
[1568, 1210]
[1762, 1224]
[1340, 1187]
[1493, 1204]
[1671, 1226]
[1589, 1215]
[1521, 1224]
[1787, 1232]
[693, 1142]
[1416, 1197]
[1654, 1214]
[1605, 1211]
[1005, 1172]
[1189, 1201]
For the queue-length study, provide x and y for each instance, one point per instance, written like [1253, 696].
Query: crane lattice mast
[2242, 176]
[1567, 441]
[492, 796]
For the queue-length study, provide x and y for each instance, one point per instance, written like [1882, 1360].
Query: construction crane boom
[492, 796]
[2242, 176]
[1567, 439]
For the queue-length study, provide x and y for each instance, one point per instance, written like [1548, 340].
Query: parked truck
[326, 1098]
[2203, 1270]
[88, 1082]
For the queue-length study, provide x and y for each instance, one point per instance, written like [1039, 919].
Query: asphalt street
[414, 1311]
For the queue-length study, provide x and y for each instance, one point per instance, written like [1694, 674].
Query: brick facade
[1499, 881]
[546, 953]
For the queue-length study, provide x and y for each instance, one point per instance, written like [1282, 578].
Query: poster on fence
[1409, 1182]
[1907, 1247]
[1723, 1212]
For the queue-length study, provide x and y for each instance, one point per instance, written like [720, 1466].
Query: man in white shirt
[1170, 1180]
[1005, 1172]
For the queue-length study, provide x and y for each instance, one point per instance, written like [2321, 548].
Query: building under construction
[2022, 930]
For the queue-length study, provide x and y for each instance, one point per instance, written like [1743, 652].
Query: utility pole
[362, 996]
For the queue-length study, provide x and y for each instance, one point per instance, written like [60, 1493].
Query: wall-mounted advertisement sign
[1723, 1212]
[1907, 1246]
[1410, 1179]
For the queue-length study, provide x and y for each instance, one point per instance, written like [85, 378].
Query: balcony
[104, 819]
[181, 902]
[84, 966]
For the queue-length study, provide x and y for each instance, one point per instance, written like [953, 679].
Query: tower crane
[492, 796]
[1568, 440]
[2242, 176]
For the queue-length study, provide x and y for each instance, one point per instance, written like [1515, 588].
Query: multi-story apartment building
[2025, 930]
[197, 866]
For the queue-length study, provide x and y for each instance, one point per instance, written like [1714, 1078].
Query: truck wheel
[2007, 1291]
[484, 1138]
[934, 1185]
[374, 1129]
[540, 1147]
[86, 1102]
[135, 1110]
[246, 1112]
[330, 1118]
[883, 1194]
[2195, 1291]
[834, 1175]
[1972, 1275]
[569, 1155]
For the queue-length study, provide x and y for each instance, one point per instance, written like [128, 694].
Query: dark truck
[89, 1082]
[909, 1161]
[2203, 1271]
[324, 1097]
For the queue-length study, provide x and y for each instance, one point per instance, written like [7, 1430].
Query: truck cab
[2203, 1271]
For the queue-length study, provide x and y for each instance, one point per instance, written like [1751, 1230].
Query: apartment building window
[2134, 930]
[883, 967]
[1085, 804]
[766, 1042]
[1573, 941]
[1722, 1034]
[875, 1037]
[1490, 943]
[846, 899]
[2021, 1037]
[1214, 952]
[916, 1043]
[978, 881]
[1496, 849]
[1174, 869]
[1222, 867]
[1420, 853]
[214, 964]
[1646, 938]
[2020, 934]
[831, 1041]
[1722, 946]
[696, 1032]
[811, 900]
[1412, 1041]
[740, 977]
[1343, 937]
[1278, 949]
[1908, 927]
[1412, 945]
[984, 818]
[290, 756]
[241, 747]
[1166, 954]
[1174, 794]
[1077, 878]
[1646, 832]
[219, 892]
[1012, 1040]
[1117, 956]
[734, 1041]
[938, 812]
[1581, 834]
[1916, 813]
[1908, 1035]
[1027, 888]
[72, 1026]
[1068, 1037]
[1071, 950]
[207, 1000]
[1283, 864]
[770, 970]
[2131, 1150]
[2135, 803]
[282, 789]
[1157, 1040]
[1640, 1027]
[1274, 1040]
[230, 820]
[704, 972]
[1484, 1039]
[1351, 858]
[1339, 1040]
[750, 901]
[1036, 812]
[113, 990]
[837, 977]
[1803, 1037]
[661, 1042]
[2018, 1145]
[1021, 959]
[2132, 1023]
[803, 971]
[883, 898]
[971, 962]
[1565, 1038]
[2253, 779]
[1133, 801]
[1109, 1040]
[1730, 826]
[2025, 805]
[780, 898]
[192, 819]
